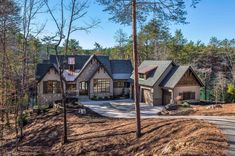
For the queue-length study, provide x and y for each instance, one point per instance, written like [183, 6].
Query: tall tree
[176, 44]
[121, 11]
[9, 22]
[73, 47]
[121, 40]
[153, 39]
[47, 40]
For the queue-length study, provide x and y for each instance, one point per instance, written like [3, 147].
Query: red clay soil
[226, 110]
[105, 136]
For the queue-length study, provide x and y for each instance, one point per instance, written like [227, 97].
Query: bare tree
[9, 20]
[77, 10]
[30, 10]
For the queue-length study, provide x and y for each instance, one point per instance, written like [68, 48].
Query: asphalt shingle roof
[80, 60]
[174, 76]
[121, 69]
[42, 69]
[155, 74]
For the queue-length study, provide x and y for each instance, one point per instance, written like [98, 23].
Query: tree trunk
[136, 79]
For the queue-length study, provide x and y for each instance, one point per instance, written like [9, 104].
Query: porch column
[172, 96]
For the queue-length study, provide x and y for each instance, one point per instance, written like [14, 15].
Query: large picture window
[51, 87]
[101, 85]
[187, 95]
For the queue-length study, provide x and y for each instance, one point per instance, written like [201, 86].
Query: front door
[166, 97]
[83, 89]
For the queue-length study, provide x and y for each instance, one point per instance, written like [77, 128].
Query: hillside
[104, 136]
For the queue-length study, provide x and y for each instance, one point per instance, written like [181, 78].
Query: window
[187, 95]
[51, 87]
[83, 89]
[71, 87]
[141, 76]
[71, 60]
[121, 84]
[101, 85]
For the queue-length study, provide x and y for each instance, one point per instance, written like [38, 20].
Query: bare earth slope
[105, 136]
[226, 110]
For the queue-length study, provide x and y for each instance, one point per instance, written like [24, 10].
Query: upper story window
[71, 60]
[142, 76]
[71, 63]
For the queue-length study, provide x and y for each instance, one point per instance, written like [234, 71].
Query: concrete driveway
[121, 108]
[126, 109]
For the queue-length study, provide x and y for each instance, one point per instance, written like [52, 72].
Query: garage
[147, 96]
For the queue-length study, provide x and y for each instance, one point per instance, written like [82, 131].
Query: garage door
[147, 96]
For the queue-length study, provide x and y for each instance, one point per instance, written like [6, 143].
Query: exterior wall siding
[92, 66]
[101, 74]
[157, 96]
[48, 98]
[195, 89]
[119, 91]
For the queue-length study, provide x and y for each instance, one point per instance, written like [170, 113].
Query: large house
[164, 82]
[95, 77]
[84, 76]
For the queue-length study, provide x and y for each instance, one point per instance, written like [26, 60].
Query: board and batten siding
[188, 83]
[87, 72]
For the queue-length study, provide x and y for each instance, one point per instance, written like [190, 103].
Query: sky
[209, 18]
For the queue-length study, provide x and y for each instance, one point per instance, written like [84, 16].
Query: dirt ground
[226, 110]
[104, 136]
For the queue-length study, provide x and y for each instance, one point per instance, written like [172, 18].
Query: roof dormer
[71, 63]
[145, 71]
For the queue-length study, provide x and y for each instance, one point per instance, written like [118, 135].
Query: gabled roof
[174, 76]
[42, 69]
[104, 62]
[147, 69]
[80, 60]
[156, 73]
[121, 69]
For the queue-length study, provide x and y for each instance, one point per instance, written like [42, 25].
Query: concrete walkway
[126, 109]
